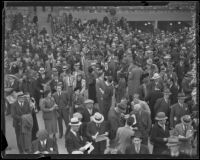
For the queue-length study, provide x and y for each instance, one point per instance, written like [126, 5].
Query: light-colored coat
[181, 130]
[123, 138]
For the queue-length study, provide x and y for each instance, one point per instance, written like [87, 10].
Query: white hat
[156, 76]
[41, 70]
[167, 56]
[75, 122]
[77, 115]
[88, 101]
[98, 118]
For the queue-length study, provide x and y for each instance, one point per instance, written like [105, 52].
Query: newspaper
[102, 137]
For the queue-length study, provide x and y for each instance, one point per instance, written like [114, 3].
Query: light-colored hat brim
[78, 124]
[173, 144]
[102, 119]
[161, 118]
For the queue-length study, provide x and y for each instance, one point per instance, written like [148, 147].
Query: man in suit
[73, 141]
[44, 144]
[62, 100]
[187, 88]
[136, 147]
[178, 110]
[94, 128]
[87, 110]
[159, 134]
[151, 98]
[124, 134]
[174, 90]
[18, 109]
[143, 121]
[163, 104]
[115, 119]
[185, 132]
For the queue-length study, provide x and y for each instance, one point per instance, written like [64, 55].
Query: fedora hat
[186, 119]
[41, 70]
[181, 95]
[74, 122]
[98, 118]
[65, 67]
[167, 91]
[156, 76]
[173, 141]
[137, 134]
[160, 116]
[42, 134]
[88, 101]
[122, 107]
[77, 115]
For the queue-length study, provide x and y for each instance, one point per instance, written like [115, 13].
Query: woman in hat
[178, 110]
[159, 134]
[94, 128]
[185, 132]
[44, 144]
[48, 107]
[137, 147]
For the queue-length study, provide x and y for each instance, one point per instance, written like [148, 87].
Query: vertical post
[155, 24]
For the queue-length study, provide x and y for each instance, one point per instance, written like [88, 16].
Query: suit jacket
[123, 138]
[92, 129]
[131, 149]
[114, 120]
[156, 137]
[62, 101]
[17, 111]
[15, 86]
[85, 113]
[181, 130]
[152, 97]
[173, 96]
[73, 143]
[187, 89]
[162, 106]
[177, 112]
[144, 123]
[50, 143]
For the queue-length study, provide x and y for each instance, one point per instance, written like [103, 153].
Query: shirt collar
[44, 141]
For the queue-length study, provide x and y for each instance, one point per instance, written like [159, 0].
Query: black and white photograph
[100, 78]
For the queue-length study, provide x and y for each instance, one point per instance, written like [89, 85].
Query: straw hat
[88, 101]
[167, 56]
[160, 116]
[41, 70]
[74, 122]
[156, 76]
[98, 118]
[77, 115]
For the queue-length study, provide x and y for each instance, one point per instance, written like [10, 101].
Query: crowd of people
[116, 89]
